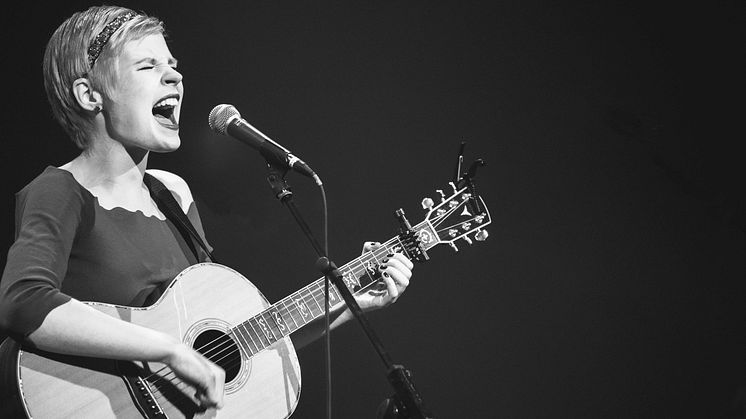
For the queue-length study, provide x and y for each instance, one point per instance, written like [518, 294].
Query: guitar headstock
[462, 215]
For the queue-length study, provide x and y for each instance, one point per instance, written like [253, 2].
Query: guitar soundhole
[220, 349]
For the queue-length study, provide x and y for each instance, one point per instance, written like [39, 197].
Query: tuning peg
[427, 203]
[453, 245]
[442, 195]
[481, 235]
[453, 185]
[467, 239]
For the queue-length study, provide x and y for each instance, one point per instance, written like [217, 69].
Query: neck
[110, 167]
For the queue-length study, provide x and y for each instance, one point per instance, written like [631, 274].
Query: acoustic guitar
[224, 316]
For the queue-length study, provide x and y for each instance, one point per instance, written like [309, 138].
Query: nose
[172, 77]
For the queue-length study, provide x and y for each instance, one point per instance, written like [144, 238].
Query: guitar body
[200, 305]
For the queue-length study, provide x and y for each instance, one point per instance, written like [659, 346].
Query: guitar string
[385, 250]
[313, 292]
[227, 339]
[236, 347]
[232, 347]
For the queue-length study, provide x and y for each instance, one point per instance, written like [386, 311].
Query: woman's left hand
[396, 270]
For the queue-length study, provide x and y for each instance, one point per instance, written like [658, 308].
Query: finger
[213, 391]
[369, 246]
[397, 265]
[403, 259]
[220, 386]
[400, 279]
[390, 285]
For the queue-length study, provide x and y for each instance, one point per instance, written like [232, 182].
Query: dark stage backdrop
[613, 281]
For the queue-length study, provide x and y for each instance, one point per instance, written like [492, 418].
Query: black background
[612, 284]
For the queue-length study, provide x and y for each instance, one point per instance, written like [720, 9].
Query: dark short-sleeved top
[67, 245]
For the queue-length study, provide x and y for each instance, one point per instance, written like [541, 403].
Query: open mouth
[163, 111]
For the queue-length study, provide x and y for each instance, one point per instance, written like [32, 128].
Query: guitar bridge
[140, 391]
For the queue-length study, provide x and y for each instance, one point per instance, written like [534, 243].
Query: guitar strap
[172, 210]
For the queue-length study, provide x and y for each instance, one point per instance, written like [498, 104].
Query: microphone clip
[277, 182]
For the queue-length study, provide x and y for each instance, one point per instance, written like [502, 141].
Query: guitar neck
[307, 304]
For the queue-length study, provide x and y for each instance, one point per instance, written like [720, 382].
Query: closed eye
[150, 67]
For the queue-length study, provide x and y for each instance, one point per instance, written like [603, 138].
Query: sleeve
[48, 215]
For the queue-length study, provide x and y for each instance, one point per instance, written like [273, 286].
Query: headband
[103, 37]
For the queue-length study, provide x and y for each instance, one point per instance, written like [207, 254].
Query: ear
[86, 97]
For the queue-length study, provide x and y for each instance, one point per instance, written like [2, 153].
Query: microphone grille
[219, 117]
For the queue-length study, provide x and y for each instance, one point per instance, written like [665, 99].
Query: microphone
[225, 120]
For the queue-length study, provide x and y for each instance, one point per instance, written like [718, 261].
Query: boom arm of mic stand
[407, 399]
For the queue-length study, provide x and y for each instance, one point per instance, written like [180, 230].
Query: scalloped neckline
[119, 209]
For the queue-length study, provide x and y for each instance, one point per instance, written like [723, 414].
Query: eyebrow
[171, 61]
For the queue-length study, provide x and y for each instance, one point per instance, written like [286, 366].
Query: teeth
[172, 101]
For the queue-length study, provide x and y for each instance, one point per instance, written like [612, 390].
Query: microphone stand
[406, 402]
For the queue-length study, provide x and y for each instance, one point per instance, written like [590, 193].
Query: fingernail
[386, 274]
[381, 267]
[385, 260]
[390, 255]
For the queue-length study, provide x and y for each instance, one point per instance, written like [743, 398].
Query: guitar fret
[252, 335]
[313, 297]
[262, 322]
[245, 333]
[241, 341]
[374, 257]
[350, 279]
[278, 321]
[303, 310]
[296, 310]
[334, 297]
[367, 268]
[258, 335]
[318, 295]
[401, 248]
[272, 323]
[287, 311]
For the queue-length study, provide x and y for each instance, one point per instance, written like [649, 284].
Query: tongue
[164, 121]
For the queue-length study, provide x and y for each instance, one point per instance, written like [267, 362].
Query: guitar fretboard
[307, 304]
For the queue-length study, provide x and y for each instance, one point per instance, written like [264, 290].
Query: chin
[172, 144]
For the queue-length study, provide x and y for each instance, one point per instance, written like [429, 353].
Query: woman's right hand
[75, 328]
[199, 372]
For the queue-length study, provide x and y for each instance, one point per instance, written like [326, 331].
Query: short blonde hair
[66, 60]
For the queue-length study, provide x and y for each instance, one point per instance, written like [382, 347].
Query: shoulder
[53, 184]
[177, 185]
[53, 177]
[53, 195]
